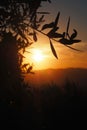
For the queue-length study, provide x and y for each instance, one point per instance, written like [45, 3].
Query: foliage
[63, 38]
[20, 18]
[18, 25]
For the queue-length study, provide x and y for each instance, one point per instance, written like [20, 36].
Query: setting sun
[38, 55]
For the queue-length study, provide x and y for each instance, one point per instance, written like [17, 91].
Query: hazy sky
[77, 10]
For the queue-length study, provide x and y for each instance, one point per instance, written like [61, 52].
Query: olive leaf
[50, 25]
[25, 65]
[41, 18]
[34, 36]
[76, 41]
[67, 29]
[74, 34]
[53, 50]
[57, 19]
[29, 69]
[52, 31]
[43, 12]
[57, 35]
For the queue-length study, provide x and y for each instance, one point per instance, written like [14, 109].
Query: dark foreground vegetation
[22, 106]
[28, 107]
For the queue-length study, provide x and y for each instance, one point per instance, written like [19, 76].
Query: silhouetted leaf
[76, 41]
[56, 35]
[50, 25]
[52, 32]
[73, 48]
[22, 34]
[34, 36]
[67, 42]
[64, 41]
[29, 69]
[41, 18]
[57, 19]
[43, 12]
[25, 65]
[32, 16]
[74, 34]
[67, 29]
[53, 50]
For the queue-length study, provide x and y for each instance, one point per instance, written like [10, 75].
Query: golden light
[37, 55]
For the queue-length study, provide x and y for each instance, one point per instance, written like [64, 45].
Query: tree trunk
[10, 72]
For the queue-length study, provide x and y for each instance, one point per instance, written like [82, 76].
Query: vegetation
[19, 24]
[46, 106]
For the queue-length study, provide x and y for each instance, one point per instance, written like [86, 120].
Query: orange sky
[66, 57]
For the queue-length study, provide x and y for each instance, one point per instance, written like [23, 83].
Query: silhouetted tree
[19, 23]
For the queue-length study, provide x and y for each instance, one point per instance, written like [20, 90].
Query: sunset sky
[77, 10]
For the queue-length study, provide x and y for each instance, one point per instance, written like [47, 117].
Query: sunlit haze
[40, 52]
[37, 55]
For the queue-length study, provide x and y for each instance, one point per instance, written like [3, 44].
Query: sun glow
[37, 55]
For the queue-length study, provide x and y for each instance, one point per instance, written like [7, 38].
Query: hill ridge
[58, 76]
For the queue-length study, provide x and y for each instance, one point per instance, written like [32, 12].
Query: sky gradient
[67, 58]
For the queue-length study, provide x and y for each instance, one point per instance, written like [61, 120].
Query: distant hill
[58, 76]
